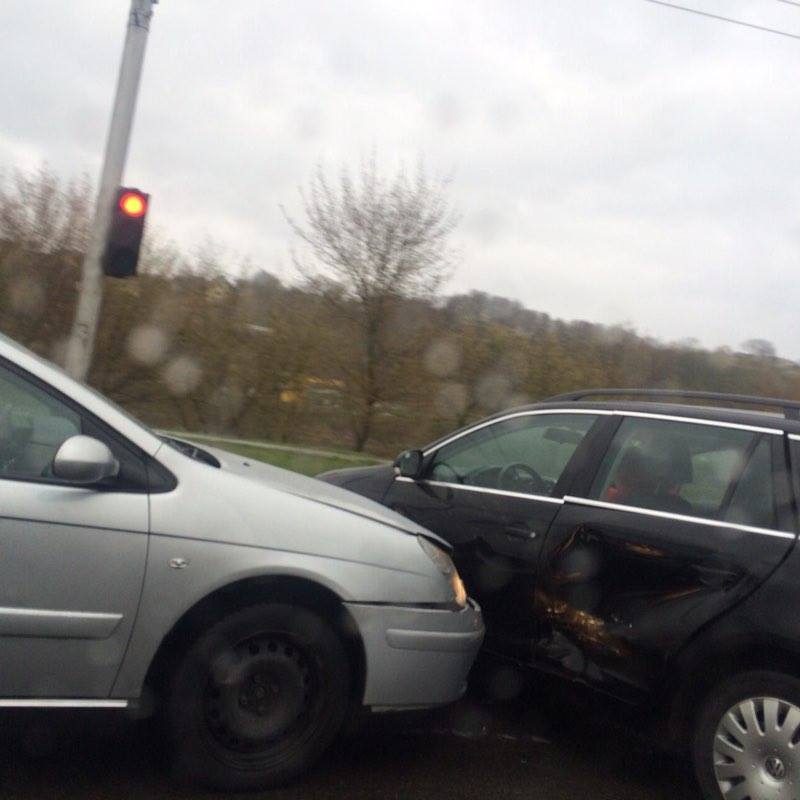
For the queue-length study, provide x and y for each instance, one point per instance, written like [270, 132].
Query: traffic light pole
[80, 347]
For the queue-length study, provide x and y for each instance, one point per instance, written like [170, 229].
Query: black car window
[753, 501]
[33, 425]
[680, 467]
[524, 454]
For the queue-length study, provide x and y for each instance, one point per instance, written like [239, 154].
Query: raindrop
[443, 358]
[26, 296]
[494, 391]
[451, 400]
[517, 399]
[182, 375]
[487, 224]
[228, 401]
[147, 344]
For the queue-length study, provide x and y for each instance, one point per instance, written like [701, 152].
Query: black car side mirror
[409, 464]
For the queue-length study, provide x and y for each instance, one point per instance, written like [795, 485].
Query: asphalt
[547, 745]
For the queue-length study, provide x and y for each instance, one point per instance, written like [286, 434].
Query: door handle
[521, 532]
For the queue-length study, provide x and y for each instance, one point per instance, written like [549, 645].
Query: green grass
[297, 460]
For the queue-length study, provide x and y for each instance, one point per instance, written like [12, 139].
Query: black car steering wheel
[512, 475]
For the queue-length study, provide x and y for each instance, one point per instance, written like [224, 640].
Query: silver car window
[33, 425]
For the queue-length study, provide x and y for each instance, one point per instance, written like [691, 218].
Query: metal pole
[80, 347]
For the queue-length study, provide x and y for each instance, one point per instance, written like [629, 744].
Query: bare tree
[43, 226]
[373, 242]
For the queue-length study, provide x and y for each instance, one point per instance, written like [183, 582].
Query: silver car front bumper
[416, 657]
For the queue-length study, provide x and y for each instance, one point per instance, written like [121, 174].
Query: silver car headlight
[445, 565]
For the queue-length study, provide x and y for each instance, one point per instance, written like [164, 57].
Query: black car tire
[257, 698]
[745, 685]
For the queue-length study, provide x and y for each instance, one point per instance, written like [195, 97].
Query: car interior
[677, 470]
[528, 462]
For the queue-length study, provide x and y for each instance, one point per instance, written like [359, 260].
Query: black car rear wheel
[747, 738]
[258, 698]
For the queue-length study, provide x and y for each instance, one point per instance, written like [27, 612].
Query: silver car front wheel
[258, 697]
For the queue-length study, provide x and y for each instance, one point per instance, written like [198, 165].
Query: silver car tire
[257, 698]
[747, 738]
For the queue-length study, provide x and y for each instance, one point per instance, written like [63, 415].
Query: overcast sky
[615, 161]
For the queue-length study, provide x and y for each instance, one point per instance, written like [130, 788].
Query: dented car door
[673, 524]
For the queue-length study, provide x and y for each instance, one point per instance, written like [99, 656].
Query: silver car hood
[317, 491]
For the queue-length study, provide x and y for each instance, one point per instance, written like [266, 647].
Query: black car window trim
[431, 450]
[649, 512]
[589, 468]
[107, 431]
[792, 464]
[483, 490]
[784, 496]
[699, 421]
[740, 470]
[495, 420]
[584, 459]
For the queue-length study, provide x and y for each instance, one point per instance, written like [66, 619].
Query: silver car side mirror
[84, 461]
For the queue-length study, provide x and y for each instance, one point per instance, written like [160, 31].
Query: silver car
[254, 608]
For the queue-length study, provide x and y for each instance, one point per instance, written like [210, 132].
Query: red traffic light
[133, 204]
[125, 232]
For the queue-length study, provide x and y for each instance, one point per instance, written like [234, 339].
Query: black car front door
[492, 492]
[678, 522]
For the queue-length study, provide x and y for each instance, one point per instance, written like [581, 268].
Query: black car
[645, 548]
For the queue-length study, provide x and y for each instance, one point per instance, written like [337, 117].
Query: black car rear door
[492, 492]
[677, 521]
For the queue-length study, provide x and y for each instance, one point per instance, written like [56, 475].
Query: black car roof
[736, 416]
[760, 419]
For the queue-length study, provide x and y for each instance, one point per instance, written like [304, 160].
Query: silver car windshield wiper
[191, 450]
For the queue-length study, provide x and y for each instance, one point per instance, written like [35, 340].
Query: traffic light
[125, 234]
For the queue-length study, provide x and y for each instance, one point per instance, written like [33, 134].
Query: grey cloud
[612, 161]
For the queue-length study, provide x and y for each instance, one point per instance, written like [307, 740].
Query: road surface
[549, 747]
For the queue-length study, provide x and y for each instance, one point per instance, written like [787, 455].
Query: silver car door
[72, 558]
